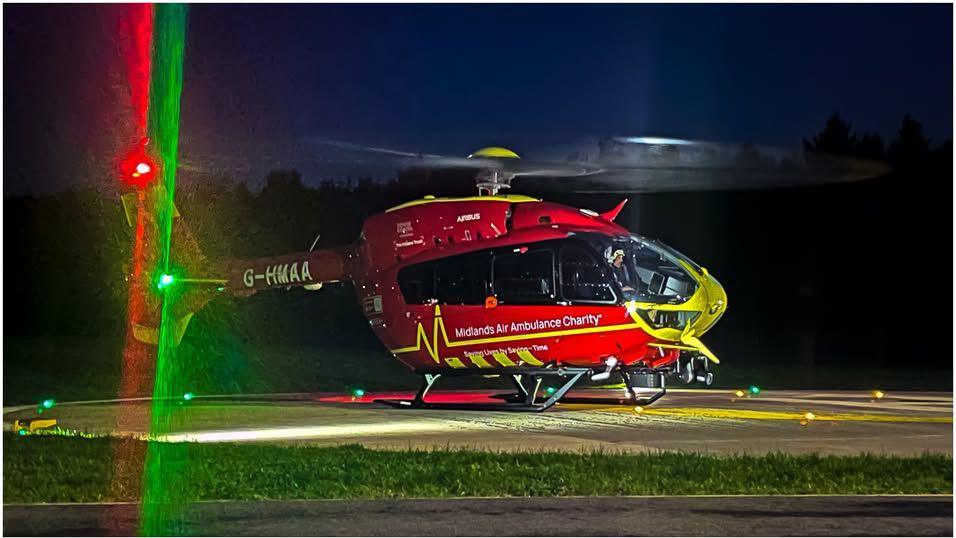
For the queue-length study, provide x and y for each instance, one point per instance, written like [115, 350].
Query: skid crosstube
[524, 400]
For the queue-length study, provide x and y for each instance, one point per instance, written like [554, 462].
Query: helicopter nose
[716, 303]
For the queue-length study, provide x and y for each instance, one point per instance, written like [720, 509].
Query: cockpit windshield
[649, 271]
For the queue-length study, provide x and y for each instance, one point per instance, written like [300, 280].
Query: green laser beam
[161, 512]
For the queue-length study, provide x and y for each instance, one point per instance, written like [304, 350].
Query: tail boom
[299, 269]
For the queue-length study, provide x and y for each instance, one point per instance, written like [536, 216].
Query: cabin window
[417, 283]
[524, 277]
[463, 279]
[456, 280]
[582, 280]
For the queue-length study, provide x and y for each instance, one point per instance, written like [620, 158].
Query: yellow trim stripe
[510, 198]
[421, 338]
[478, 360]
[528, 358]
[455, 362]
[510, 338]
[503, 359]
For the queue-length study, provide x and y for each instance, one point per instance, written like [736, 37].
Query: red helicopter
[517, 287]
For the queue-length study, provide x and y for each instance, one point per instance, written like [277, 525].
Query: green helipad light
[549, 390]
[48, 403]
[188, 396]
[754, 389]
[358, 393]
[22, 431]
[165, 280]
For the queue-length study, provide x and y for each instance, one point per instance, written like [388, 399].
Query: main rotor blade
[644, 164]
[515, 167]
[648, 164]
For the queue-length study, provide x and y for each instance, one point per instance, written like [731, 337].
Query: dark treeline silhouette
[856, 275]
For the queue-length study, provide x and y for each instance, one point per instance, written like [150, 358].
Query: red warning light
[137, 168]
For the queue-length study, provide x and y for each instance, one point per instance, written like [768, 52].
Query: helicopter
[512, 286]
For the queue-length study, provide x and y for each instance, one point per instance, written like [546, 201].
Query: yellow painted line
[750, 414]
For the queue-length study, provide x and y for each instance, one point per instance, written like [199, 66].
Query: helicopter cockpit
[649, 271]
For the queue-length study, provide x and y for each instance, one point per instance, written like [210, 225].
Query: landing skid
[527, 381]
[632, 382]
[627, 400]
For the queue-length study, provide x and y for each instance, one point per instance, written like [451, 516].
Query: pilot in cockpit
[631, 284]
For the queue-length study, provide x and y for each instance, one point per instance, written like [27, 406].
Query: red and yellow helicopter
[509, 285]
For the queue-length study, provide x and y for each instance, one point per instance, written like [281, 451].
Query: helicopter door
[582, 278]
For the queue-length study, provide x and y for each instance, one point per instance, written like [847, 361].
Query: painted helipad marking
[311, 432]
[749, 414]
[873, 404]
[930, 396]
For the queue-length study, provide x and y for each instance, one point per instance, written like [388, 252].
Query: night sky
[263, 83]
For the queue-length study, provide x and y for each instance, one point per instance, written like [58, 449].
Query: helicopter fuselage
[491, 282]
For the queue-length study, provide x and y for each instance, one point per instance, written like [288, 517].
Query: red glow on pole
[135, 34]
[135, 41]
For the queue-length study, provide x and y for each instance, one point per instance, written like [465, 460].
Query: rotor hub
[493, 179]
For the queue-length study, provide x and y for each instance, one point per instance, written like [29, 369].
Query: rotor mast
[490, 181]
[494, 178]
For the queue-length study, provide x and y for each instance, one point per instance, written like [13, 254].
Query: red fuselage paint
[559, 334]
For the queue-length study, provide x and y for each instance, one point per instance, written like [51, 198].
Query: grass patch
[61, 469]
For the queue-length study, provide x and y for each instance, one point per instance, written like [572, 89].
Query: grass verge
[63, 469]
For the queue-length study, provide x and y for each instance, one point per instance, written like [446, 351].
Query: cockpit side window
[647, 271]
[662, 278]
[582, 279]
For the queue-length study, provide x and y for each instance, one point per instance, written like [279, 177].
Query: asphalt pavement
[538, 516]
